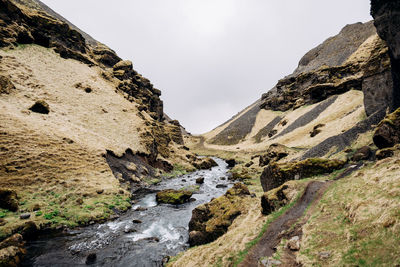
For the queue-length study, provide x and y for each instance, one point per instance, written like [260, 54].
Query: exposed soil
[267, 245]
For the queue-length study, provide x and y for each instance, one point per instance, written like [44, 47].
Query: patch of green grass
[51, 215]
[38, 213]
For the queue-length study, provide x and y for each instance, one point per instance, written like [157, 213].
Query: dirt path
[272, 237]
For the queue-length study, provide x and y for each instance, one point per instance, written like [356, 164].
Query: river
[163, 230]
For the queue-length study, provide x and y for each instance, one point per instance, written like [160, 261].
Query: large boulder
[204, 163]
[8, 200]
[274, 153]
[41, 107]
[387, 22]
[175, 197]
[387, 133]
[211, 220]
[276, 174]
[11, 251]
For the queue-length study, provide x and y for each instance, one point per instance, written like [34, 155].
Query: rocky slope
[80, 127]
[339, 90]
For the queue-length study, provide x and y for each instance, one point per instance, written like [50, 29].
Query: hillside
[80, 127]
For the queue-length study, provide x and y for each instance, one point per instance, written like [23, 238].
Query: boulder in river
[231, 163]
[200, 180]
[204, 163]
[171, 196]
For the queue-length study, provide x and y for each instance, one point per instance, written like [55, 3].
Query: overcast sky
[211, 58]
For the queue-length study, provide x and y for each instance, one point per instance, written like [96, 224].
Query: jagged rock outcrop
[362, 64]
[386, 15]
[276, 174]
[211, 220]
[274, 153]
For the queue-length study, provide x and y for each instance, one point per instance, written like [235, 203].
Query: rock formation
[386, 15]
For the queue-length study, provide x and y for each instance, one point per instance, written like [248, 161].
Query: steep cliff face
[387, 21]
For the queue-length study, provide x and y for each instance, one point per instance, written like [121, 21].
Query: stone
[248, 164]
[276, 174]
[41, 107]
[362, 153]
[125, 65]
[30, 230]
[316, 130]
[387, 133]
[175, 197]
[136, 221]
[152, 239]
[25, 216]
[204, 163]
[129, 229]
[269, 262]
[384, 153]
[273, 200]
[221, 186]
[275, 152]
[100, 191]
[200, 180]
[8, 200]
[231, 163]
[12, 250]
[211, 220]
[293, 244]
[91, 258]
[323, 255]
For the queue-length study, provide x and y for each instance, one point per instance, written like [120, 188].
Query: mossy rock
[175, 197]
[276, 174]
[211, 220]
[387, 133]
[204, 163]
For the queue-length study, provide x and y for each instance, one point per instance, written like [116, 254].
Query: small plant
[51, 215]
[2, 214]
[38, 213]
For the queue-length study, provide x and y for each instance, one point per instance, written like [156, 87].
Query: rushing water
[163, 230]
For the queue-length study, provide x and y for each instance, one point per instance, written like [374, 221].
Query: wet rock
[91, 259]
[362, 153]
[171, 196]
[136, 221]
[129, 229]
[222, 178]
[221, 186]
[385, 153]
[25, 216]
[30, 230]
[204, 163]
[387, 133]
[276, 174]
[12, 250]
[41, 107]
[6, 86]
[200, 180]
[231, 163]
[8, 200]
[140, 209]
[211, 220]
[316, 130]
[152, 239]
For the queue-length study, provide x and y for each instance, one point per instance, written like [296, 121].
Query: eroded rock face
[363, 64]
[387, 133]
[274, 153]
[276, 174]
[273, 200]
[387, 22]
[211, 220]
[12, 250]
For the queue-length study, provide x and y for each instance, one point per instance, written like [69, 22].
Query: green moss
[175, 197]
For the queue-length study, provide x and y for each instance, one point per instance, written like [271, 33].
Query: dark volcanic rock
[387, 133]
[362, 153]
[200, 180]
[385, 153]
[211, 220]
[41, 107]
[91, 259]
[231, 163]
[8, 200]
[276, 174]
[387, 22]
